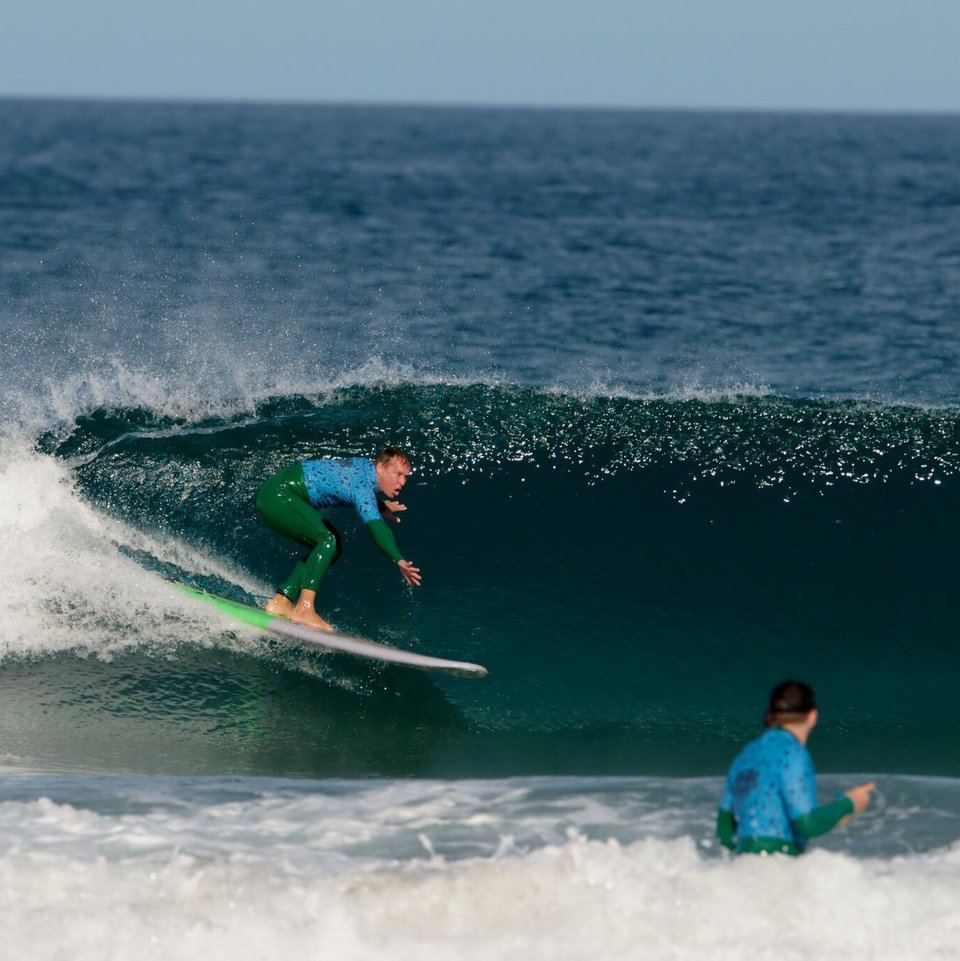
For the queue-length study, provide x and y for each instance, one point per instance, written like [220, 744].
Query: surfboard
[300, 633]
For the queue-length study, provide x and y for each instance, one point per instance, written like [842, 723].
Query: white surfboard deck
[300, 633]
[364, 648]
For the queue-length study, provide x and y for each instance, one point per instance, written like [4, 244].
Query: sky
[872, 55]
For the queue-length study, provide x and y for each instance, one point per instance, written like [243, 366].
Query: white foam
[66, 586]
[259, 879]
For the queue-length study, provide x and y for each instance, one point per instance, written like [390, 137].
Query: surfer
[290, 503]
[769, 802]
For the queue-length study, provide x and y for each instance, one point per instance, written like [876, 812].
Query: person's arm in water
[824, 818]
[828, 816]
[808, 819]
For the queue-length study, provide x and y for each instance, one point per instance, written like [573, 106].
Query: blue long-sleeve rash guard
[350, 482]
[770, 799]
[343, 482]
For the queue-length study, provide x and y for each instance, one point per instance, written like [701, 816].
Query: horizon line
[413, 104]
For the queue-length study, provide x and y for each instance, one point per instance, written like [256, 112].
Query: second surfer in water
[290, 503]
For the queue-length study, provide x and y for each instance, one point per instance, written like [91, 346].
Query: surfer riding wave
[291, 502]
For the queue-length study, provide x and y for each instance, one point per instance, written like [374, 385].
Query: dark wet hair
[790, 701]
[388, 454]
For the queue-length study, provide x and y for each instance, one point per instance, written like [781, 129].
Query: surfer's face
[392, 476]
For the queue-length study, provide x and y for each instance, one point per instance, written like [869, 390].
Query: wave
[630, 569]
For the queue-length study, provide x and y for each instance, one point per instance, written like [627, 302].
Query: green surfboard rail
[242, 612]
[339, 643]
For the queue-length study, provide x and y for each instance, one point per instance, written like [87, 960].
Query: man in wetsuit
[290, 503]
[769, 802]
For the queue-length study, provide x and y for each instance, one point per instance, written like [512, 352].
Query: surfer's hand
[860, 796]
[410, 573]
[390, 509]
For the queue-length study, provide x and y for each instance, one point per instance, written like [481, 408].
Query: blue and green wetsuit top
[350, 482]
[343, 482]
[770, 799]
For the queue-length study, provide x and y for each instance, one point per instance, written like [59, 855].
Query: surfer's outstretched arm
[383, 538]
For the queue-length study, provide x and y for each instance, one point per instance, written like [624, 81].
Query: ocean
[680, 392]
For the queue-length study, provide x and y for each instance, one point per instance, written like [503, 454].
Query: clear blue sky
[900, 55]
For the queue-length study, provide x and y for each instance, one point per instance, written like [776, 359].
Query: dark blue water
[647, 251]
[680, 391]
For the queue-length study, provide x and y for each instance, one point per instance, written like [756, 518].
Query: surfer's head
[791, 702]
[393, 468]
[392, 453]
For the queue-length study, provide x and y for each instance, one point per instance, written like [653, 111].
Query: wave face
[635, 574]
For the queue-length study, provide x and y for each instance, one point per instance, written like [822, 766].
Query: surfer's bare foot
[279, 606]
[305, 614]
[311, 620]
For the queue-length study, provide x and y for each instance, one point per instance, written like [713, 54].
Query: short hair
[790, 702]
[388, 454]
